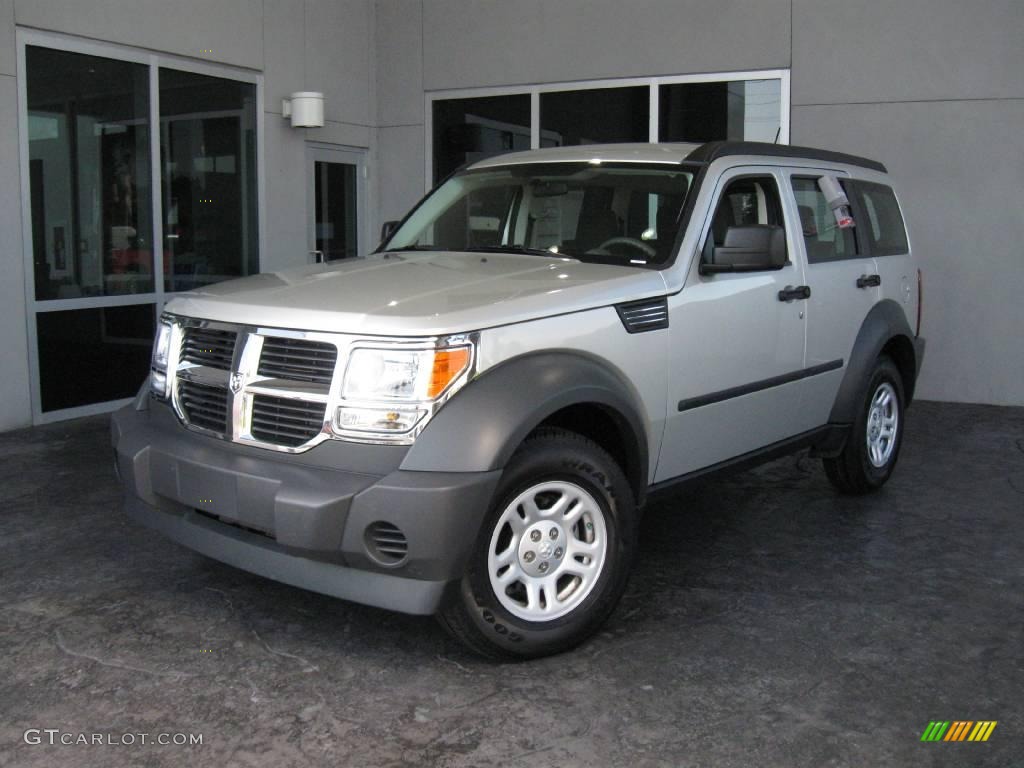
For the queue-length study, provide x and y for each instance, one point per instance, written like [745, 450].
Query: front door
[336, 203]
[737, 346]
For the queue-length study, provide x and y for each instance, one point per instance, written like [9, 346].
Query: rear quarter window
[880, 222]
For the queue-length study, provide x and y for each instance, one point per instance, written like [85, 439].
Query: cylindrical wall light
[305, 108]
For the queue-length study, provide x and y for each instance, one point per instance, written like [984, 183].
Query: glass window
[93, 355]
[595, 116]
[885, 231]
[823, 239]
[611, 213]
[748, 217]
[467, 130]
[208, 158]
[89, 179]
[738, 110]
[334, 192]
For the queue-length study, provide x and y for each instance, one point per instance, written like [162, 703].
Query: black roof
[713, 150]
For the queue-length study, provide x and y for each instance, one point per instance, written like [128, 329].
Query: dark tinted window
[884, 230]
[89, 175]
[93, 355]
[594, 116]
[208, 159]
[467, 130]
[823, 239]
[737, 110]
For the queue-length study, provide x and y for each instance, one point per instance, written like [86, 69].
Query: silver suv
[469, 421]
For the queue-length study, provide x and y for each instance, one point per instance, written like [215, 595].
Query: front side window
[619, 214]
[886, 233]
[747, 230]
[823, 239]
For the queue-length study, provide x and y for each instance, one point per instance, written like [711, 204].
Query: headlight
[161, 349]
[415, 375]
[388, 392]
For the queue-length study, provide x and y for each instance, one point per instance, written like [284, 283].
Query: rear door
[882, 230]
[842, 279]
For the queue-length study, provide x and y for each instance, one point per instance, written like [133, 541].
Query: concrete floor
[768, 623]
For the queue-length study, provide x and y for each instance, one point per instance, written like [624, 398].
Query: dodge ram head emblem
[235, 383]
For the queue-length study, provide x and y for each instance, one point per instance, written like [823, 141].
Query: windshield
[611, 213]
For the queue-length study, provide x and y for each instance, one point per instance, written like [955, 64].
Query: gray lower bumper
[299, 520]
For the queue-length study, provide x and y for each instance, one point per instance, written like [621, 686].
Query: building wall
[322, 45]
[932, 88]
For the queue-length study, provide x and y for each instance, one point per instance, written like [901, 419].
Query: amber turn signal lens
[448, 364]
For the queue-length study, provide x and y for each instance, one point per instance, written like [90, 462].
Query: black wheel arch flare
[480, 428]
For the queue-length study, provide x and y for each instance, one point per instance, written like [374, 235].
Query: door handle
[789, 293]
[865, 281]
[318, 257]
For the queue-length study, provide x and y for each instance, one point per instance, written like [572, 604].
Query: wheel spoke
[509, 576]
[573, 513]
[579, 547]
[508, 555]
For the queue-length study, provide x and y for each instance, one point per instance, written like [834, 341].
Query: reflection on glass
[739, 110]
[334, 188]
[208, 162]
[595, 116]
[93, 355]
[89, 181]
[467, 130]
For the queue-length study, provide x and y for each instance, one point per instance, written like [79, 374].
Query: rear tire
[873, 445]
[553, 555]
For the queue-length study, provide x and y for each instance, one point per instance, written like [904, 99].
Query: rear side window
[883, 228]
[823, 239]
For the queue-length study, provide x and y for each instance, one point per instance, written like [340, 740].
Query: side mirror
[388, 229]
[754, 248]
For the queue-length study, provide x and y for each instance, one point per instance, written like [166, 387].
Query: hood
[418, 293]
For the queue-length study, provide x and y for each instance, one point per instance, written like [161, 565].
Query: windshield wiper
[518, 249]
[413, 247]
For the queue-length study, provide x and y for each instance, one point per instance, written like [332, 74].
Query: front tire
[873, 445]
[553, 554]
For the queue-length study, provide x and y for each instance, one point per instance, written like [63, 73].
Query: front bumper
[302, 520]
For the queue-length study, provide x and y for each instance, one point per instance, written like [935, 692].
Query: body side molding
[757, 386]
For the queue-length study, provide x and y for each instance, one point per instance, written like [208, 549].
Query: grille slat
[298, 359]
[285, 422]
[211, 347]
[204, 406]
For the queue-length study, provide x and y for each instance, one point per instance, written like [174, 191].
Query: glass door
[336, 203]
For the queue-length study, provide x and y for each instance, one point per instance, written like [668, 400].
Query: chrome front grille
[298, 359]
[204, 406]
[266, 387]
[211, 347]
[285, 421]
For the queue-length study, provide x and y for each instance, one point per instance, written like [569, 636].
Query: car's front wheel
[553, 554]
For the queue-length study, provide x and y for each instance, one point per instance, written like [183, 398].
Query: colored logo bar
[959, 730]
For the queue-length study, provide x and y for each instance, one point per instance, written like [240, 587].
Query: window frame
[159, 295]
[652, 83]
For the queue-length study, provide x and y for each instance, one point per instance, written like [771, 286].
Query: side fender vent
[644, 315]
